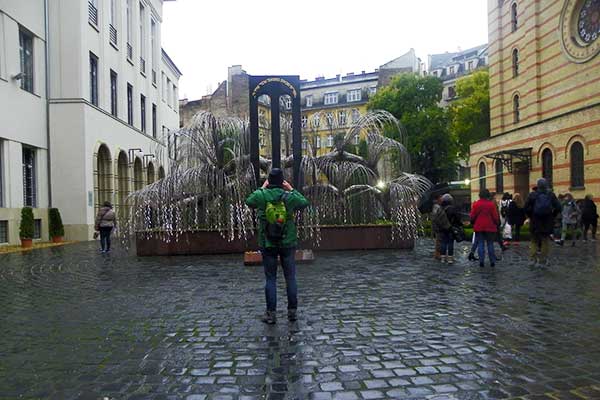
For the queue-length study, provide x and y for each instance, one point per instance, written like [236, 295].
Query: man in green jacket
[276, 202]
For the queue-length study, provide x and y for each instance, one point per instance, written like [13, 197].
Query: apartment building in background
[88, 100]
[329, 105]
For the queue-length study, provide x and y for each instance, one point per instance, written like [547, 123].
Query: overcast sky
[310, 37]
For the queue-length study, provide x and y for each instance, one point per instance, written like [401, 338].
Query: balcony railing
[113, 34]
[92, 14]
[142, 65]
[154, 77]
[129, 52]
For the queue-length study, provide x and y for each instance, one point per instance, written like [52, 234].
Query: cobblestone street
[75, 324]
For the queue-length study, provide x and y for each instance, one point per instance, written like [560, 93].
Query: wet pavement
[75, 324]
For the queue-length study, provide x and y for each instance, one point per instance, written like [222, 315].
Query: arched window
[515, 62]
[138, 175]
[577, 173]
[123, 179]
[104, 175]
[547, 161]
[516, 109]
[499, 177]
[161, 172]
[150, 173]
[514, 21]
[482, 184]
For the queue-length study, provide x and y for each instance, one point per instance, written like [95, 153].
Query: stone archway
[150, 175]
[104, 176]
[138, 174]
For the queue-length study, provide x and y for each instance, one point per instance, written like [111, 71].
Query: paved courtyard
[75, 324]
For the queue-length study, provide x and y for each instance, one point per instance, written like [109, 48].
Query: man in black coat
[541, 207]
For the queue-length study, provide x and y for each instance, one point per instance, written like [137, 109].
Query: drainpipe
[47, 60]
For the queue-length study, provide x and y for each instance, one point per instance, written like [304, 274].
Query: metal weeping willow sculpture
[212, 174]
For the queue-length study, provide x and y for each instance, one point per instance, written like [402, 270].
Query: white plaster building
[112, 97]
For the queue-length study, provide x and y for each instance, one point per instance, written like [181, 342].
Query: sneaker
[471, 257]
[269, 318]
[443, 259]
[292, 315]
[450, 260]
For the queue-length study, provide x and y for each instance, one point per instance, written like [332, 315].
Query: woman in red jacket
[485, 220]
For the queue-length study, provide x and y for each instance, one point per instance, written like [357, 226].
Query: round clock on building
[580, 29]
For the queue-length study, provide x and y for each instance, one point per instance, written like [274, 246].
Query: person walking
[485, 220]
[541, 207]
[106, 221]
[589, 216]
[446, 220]
[276, 203]
[515, 216]
[570, 220]
[434, 214]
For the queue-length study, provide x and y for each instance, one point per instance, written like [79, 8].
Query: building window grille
[482, 183]
[316, 121]
[499, 176]
[331, 98]
[93, 12]
[309, 101]
[29, 178]
[37, 229]
[329, 119]
[3, 231]
[142, 40]
[355, 115]
[354, 95]
[451, 70]
[93, 79]
[113, 34]
[304, 121]
[577, 166]
[129, 104]
[451, 92]
[129, 30]
[143, 112]
[330, 141]
[304, 144]
[318, 142]
[113, 93]
[356, 139]
[154, 121]
[342, 118]
[372, 90]
[515, 62]
[26, 55]
[470, 65]
[514, 17]
[547, 167]
[516, 109]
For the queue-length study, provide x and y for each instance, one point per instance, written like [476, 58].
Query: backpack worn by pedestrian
[543, 205]
[276, 215]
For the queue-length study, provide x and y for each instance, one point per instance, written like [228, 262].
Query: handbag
[96, 234]
[458, 233]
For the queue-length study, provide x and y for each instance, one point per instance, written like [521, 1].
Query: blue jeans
[105, 238]
[447, 245]
[483, 239]
[288, 263]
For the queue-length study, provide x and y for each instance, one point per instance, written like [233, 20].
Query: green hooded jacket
[294, 201]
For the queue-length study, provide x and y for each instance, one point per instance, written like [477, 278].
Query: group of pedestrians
[549, 217]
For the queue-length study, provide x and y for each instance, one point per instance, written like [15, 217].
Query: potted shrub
[26, 228]
[56, 228]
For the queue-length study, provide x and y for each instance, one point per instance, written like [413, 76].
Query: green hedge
[56, 226]
[26, 228]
